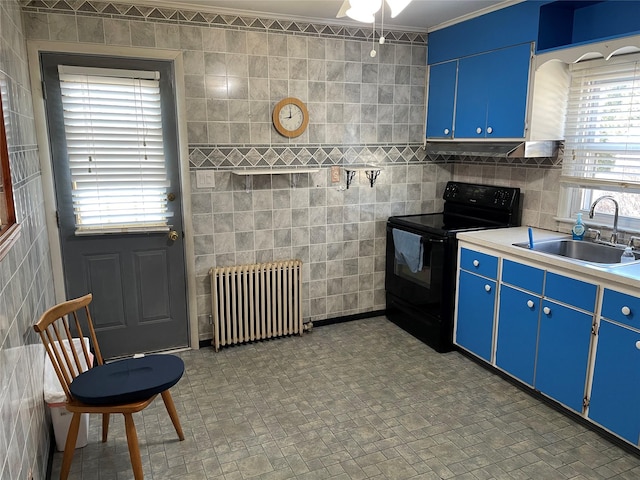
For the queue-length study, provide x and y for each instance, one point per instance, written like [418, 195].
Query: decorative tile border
[191, 17]
[224, 157]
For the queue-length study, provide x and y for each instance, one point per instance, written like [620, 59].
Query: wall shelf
[274, 171]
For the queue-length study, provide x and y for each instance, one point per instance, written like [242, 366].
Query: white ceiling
[420, 15]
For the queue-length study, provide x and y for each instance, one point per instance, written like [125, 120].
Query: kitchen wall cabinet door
[491, 94]
[615, 392]
[517, 333]
[476, 308]
[563, 353]
[442, 93]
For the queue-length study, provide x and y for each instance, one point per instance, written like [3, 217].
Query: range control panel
[504, 198]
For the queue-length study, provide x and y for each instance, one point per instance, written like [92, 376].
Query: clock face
[290, 117]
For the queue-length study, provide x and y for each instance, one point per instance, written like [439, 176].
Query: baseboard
[322, 323]
[348, 318]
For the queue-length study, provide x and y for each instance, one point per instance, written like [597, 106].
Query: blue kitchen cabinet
[565, 24]
[474, 322]
[615, 392]
[544, 330]
[498, 29]
[615, 389]
[491, 99]
[442, 93]
[479, 97]
[563, 353]
[517, 333]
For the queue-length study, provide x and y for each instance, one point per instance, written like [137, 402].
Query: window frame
[9, 233]
[572, 190]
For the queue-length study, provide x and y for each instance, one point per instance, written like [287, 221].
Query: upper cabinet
[481, 96]
[565, 24]
[492, 90]
[442, 99]
[502, 28]
[479, 75]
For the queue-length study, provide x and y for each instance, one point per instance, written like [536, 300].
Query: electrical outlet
[335, 174]
[205, 179]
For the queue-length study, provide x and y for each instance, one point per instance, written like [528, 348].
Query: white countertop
[503, 239]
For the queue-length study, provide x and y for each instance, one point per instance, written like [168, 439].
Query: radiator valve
[307, 327]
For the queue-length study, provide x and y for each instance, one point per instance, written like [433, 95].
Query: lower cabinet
[548, 338]
[615, 391]
[563, 354]
[474, 325]
[518, 333]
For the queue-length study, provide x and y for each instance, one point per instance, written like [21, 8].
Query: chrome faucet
[614, 232]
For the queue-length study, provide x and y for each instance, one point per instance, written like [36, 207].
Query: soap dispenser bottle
[627, 256]
[578, 229]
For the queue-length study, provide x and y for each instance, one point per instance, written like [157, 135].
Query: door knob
[487, 288]
[626, 311]
[173, 235]
[530, 303]
[546, 310]
[171, 196]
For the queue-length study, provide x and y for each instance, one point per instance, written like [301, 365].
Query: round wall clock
[290, 117]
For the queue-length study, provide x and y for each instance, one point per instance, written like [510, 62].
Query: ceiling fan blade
[343, 9]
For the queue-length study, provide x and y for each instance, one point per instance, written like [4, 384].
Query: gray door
[137, 277]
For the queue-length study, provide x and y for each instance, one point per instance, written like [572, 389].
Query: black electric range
[422, 302]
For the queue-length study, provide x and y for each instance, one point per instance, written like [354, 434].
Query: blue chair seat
[127, 381]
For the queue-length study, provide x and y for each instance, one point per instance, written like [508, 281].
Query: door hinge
[585, 402]
[594, 329]
[57, 219]
[44, 90]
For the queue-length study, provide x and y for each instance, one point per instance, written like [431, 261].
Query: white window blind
[602, 133]
[113, 128]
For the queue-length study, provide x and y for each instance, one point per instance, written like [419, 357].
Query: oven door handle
[434, 240]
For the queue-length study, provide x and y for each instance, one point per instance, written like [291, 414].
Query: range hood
[529, 149]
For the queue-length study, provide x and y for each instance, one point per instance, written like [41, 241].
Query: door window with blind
[115, 150]
[602, 138]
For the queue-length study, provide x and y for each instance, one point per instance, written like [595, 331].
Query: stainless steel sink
[580, 250]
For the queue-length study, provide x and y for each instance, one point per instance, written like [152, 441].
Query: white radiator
[255, 302]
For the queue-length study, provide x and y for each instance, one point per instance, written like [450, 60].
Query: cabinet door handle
[476, 263]
[487, 288]
[638, 344]
[546, 310]
[446, 131]
[478, 130]
[489, 130]
[626, 311]
[530, 303]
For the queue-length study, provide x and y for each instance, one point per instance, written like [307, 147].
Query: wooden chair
[125, 386]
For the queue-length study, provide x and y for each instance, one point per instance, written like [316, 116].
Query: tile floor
[358, 400]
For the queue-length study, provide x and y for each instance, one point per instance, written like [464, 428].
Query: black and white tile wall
[362, 109]
[25, 273]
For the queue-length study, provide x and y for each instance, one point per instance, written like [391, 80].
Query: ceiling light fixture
[397, 6]
[365, 10]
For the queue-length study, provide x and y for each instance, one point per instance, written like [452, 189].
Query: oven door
[425, 287]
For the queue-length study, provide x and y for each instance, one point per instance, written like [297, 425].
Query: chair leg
[171, 408]
[70, 446]
[134, 448]
[105, 426]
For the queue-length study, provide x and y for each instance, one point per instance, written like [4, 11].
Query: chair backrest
[69, 358]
